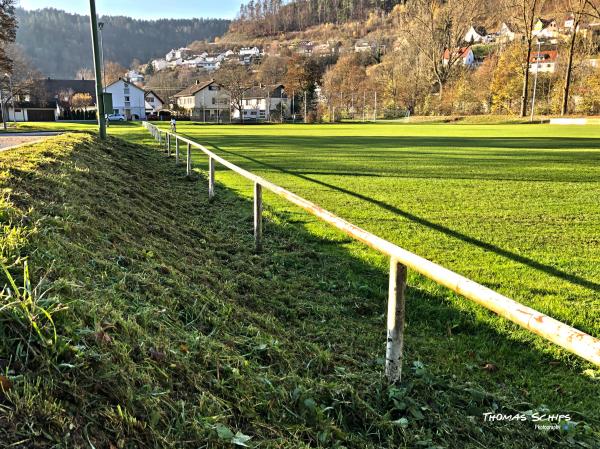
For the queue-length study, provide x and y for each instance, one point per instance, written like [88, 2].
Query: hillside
[59, 43]
[169, 332]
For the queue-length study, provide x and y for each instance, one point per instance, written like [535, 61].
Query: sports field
[515, 207]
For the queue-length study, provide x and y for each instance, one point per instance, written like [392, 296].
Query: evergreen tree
[8, 29]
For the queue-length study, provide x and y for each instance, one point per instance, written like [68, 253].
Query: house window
[127, 98]
[150, 100]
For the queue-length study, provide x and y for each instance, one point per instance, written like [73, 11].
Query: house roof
[263, 91]
[479, 30]
[53, 87]
[546, 22]
[125, 81]
[153, 93]
[192, 90]
[462, 52]
[546, 56]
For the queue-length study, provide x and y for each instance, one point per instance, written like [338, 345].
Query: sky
[144, 9]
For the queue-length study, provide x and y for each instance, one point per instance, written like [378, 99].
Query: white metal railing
[565, 336]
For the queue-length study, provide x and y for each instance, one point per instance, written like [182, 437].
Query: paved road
[12, 139]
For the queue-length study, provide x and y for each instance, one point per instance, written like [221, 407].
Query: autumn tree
[112, 72]
[437, 29]
[81, 100]
[579, 10]
[523, 14]
[8, 32]
[507, 80]
[84, 74]
[236, 79]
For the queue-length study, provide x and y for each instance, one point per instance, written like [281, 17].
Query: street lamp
[537, 70]
[100, 28]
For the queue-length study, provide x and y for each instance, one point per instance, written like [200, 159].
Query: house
[128, 99]
[476, 34]
[134, 76]
[159, 64]
[464, 53]
[364, 46]
[543, 62]
[153, 103]
[545, 29]
[263, 102]
[180, 53]
[508, 32]
[48, 99]
[205, 101]
[250, 51]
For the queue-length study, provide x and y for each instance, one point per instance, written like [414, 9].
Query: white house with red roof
[543, 62]
[464, 53]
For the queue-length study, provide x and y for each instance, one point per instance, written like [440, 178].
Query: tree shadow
[548, 269]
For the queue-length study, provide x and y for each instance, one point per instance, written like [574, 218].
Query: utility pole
[305, 109]
[537, 69]
[2, 110]
[97, 70]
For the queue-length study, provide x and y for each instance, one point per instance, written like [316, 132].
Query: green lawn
[514, 207]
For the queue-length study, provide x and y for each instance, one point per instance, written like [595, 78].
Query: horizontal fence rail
[565, 336]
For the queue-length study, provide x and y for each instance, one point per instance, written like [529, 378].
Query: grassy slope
[513, 207]
[174, 328]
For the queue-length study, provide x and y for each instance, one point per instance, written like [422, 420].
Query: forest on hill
[59, 43]
[266, 17]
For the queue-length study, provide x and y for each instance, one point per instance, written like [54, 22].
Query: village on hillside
[185, 82]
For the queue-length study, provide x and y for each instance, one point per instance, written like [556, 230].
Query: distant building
[262, 102]
[46, 99]
[128, 99]
[152, 102]
[205, 101]
[477, 34]
[134, 76]
[508, 32]
[250, 51]
[544, 62]
[545, 29]
[463, 53]
[364, 46]
[159, 64]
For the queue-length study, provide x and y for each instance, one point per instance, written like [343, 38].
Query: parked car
[116, 118]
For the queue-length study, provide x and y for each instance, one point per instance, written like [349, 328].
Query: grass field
[514, 207]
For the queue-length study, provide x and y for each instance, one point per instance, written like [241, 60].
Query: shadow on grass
[548, 269]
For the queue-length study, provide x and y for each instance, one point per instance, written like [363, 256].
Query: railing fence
[565, 336]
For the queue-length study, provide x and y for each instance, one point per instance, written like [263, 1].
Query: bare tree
[523, 14]
[579, 9]
[236, 79]
[84, 74]
[437, 28]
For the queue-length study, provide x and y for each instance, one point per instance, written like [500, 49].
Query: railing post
[176, 150]
[159, 139]
[395, 321]
[168, 145]
[258, 217]
[211, 178]
[189, 160]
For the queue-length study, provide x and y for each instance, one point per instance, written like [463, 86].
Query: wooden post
[258, 216]
[168, 145]
[211, 178]
[395, 321]
[189, 159]
[159, 138]
[176, 150]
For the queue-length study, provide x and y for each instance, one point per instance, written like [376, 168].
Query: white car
[116, 118]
